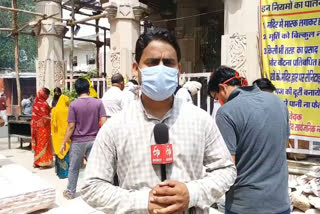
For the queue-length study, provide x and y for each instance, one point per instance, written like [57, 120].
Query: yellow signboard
[290, 39]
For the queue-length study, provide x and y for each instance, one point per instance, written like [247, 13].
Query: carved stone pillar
[124, 18]
[240, 44]
[241, 52]
[50, 65]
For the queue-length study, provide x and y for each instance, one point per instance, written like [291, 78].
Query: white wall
[81, 53]
[241, 16]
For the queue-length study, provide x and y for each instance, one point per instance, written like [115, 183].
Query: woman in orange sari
[40, 130]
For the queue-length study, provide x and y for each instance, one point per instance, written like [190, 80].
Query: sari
[59, 124]
[92, 91]
[40, 131]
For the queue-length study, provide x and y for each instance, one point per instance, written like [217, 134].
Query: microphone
[161, 136]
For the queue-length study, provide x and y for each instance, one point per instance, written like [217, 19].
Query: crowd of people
[240, 152]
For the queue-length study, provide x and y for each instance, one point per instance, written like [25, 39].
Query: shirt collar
[172, 113]
[243, 90]
[115, 88]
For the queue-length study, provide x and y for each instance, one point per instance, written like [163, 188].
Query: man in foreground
[255, 126]
[123, 145]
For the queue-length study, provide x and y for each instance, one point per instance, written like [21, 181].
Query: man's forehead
[158, 49]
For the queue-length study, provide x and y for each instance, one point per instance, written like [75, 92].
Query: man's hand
[62, 148]
[173, 194]
[152, 206]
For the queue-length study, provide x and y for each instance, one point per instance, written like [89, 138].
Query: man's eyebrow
[164, 59]
[152, 60]
[168, 60]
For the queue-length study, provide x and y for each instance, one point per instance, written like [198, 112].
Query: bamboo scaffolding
[90, 18]
[6, 29]
[30, 13]
[16, 52]
[15, 31]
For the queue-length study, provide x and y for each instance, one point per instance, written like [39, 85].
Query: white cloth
[184, 95]
[123, 145]
[26, 106]
[193, 87]
[113, 100]
[4, 116]
[216, 106]
[130, 94]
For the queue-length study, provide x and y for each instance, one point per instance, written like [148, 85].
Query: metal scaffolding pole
[93, 25]
[84, 40]
[97, 48]
[104, 54]
[72, 42]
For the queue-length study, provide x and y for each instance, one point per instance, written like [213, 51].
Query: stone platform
[21, 191]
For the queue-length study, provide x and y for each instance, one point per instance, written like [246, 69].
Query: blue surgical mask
[159, 82]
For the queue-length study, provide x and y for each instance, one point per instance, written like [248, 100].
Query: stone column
[50, 65]
[186, 33]
[240, 44]
[124, 18]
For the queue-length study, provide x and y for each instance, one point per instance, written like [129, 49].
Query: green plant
[91, 74]
[71, 94]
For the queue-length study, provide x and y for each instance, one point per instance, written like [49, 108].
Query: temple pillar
[50, 64]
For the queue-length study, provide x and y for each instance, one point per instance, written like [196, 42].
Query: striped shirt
[123, 146]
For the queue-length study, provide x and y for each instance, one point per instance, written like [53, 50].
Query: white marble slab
[76, 205]
[21, 191]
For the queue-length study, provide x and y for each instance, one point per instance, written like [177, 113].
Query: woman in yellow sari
[92, 91]
[59, 123]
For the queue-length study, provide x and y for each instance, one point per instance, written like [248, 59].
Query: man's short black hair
[220, 75]
[134, 82]
[117, 78]
[82, 86]
[159, 34]
[265, 84]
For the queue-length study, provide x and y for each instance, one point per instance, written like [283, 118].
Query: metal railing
[203, 91]
[313, 145]
[99, 84]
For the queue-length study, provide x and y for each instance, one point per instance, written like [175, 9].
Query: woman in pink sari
[40, 130]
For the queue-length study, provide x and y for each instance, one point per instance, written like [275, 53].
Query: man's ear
[180, 69]
[222, 87]
[135, 70]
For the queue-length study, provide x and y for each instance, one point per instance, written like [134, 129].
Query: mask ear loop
[244, 82]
